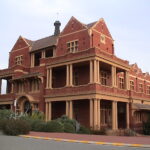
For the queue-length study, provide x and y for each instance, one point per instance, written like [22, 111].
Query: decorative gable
[72, 26]
[21, 43]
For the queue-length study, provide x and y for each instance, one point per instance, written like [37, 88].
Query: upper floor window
[121, 83]
[132, 85]
[141, 88]
[18, 60]
[102, 38]
[148, 89]
[37, 57]
[49, 52]
[104, 77]
[72, 46]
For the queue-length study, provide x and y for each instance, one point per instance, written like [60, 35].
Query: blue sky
[127, 20]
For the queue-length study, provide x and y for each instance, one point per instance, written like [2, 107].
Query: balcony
[7, 97]
[137, 95]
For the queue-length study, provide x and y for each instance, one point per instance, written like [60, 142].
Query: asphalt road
[19, 143]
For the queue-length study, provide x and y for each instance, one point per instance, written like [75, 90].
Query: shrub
[69, 128]
[54, 126]
[5, 114]
[84, 130]
[38, 125]
[37, 115]
[16, 127]
[129, 132]
[2, 123]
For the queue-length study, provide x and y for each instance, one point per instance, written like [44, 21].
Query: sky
[128, 22]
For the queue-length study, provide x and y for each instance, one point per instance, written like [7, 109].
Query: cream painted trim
[42, 64]
[103, 34]
[73, 32]
[4, 103]
[18, 49]
[101, 19]
[24, 40]
[18, 70]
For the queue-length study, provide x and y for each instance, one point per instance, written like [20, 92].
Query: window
[49, 52]
[104, 77]
[72, 46]
[121, 83]
[102, 38]
[132, 85]
[37, 57]
[148, 90]
[18, 60]
[35, 85]
[138, 117]
[76, 78]
[141, 88]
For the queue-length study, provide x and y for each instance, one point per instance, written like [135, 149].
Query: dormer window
[18, 60]
[72, 46]
[102, 38]
[49, 52]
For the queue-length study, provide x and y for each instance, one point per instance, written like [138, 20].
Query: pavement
[21, 143]
[138, 141]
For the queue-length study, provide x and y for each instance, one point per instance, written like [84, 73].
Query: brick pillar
[114, 116]
[114, 76]
[127, 116]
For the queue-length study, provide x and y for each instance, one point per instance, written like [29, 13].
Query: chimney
[57, 25]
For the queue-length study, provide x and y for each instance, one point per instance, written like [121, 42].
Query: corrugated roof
[44, 42]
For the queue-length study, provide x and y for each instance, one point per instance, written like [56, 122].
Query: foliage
[54, 126]
[84, 130]
[2, 123]
[37, 115]
[16, 127]
[37, 125]
[5, 114]
[69, 128]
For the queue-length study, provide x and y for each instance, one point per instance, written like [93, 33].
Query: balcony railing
[7, 97]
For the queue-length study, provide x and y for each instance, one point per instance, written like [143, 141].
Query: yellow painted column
[91, 114]
[114, 76]
[71, 75]
[46, 111]
[47, 79]
[43, 54]
[95, 71]
[50, 111]
[67, 75]
[127, 116]
[127, 80]
[32, 60]
[50, 78]
[71, 110]
[114, 116]
[91, 71]
[98, 114]
[67, 108]
[98, 71]
[95, 114]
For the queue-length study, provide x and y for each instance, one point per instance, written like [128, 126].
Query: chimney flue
[57, 25]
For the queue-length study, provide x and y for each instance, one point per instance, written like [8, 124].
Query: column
[91, 113]
[114, 76]
[32, 60]
[98, 71]
[49, 78]
[91, 71]
[50, 111]
[71, 110]
[67, 76]
[127, 116]
[95, 114]
[114, 116]
[67, 108]
[95, 71]
[98, 113]
[126, 77]
[0, 86]
[43, 54]
[46, 111]
[71, 75]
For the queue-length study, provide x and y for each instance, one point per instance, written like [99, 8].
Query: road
[19, 143]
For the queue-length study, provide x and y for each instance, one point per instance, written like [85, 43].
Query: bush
[129, 132]
[83, 130]
[16, 127]
[2, 123]
[54, 126]
[37, 125]
[69, 128]
[5, 114]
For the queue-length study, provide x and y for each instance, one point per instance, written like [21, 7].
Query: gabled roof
[44, 42]
[89, 25]
[29, 42]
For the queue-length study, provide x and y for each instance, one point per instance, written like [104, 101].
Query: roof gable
[101, 26]
[72, 26]
[20, 43]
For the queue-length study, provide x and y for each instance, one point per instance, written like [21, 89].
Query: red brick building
[75, 72]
